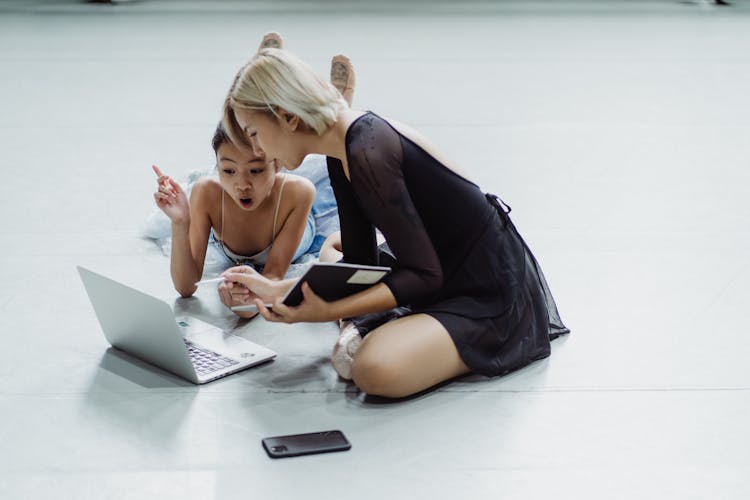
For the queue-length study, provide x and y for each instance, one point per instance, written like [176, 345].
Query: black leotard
[457, 255]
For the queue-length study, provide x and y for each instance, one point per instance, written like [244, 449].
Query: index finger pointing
[157, 171]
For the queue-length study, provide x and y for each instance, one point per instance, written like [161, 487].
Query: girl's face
[247, 178]
[270, 137]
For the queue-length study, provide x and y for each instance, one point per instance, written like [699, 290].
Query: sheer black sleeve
[357, 232]
[376, 157]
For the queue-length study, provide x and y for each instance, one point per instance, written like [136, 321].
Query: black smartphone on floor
[305, 444]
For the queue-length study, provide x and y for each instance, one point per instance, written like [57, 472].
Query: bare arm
[189, 243]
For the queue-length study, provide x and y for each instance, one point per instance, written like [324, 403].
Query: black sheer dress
[454, 251]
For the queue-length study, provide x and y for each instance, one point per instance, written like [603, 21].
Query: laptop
[145, 327]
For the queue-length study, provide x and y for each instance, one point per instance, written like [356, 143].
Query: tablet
[335, 280]
[248, 308]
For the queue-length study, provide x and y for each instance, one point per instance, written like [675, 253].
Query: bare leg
[406, 356]
[271, 40]
[342, 77]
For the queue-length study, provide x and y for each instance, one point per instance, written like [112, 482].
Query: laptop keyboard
[206, 361]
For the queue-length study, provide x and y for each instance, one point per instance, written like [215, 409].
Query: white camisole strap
[278, 204]
[221, 236]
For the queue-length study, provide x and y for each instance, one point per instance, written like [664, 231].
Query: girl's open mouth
[246, 202]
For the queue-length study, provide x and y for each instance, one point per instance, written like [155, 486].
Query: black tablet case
[329, 280]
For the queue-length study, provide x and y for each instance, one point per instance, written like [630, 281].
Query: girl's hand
[231, 295]
[235, 294]
[171, 199]
[245, 279]
[239, 297]
[313, 309]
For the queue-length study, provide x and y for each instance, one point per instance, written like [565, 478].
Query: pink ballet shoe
[344, 350]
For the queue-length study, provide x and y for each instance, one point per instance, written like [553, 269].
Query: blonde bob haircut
[276, 79]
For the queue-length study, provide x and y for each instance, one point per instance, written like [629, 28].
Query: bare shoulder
[298, 188]
[206, 192]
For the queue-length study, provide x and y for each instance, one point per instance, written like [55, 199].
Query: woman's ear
[289, 121]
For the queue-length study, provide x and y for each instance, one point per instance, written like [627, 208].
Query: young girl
[254, 213]
[475, 297]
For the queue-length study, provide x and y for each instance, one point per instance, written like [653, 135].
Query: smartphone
[305, 444]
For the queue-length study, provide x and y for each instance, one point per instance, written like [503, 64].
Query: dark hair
[220, 137]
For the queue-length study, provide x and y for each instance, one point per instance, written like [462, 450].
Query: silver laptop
[146, 328]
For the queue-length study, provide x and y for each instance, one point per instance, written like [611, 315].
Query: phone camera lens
[278, 449]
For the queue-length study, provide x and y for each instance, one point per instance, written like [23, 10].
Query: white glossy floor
[618, 132]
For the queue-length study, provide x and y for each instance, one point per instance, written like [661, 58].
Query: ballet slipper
[345, 349]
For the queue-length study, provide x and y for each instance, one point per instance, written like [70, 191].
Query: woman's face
[270, 138]
[247, 178]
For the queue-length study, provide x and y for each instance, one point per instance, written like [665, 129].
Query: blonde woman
[474, 296]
